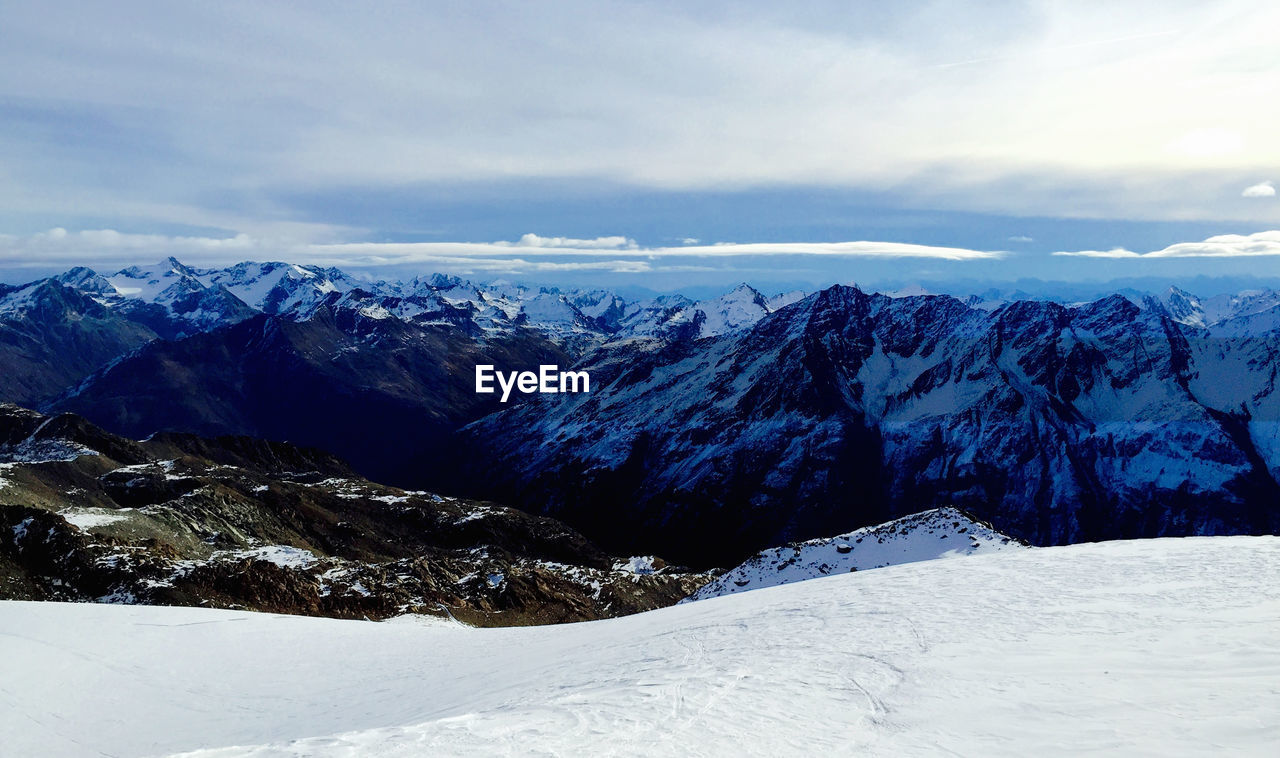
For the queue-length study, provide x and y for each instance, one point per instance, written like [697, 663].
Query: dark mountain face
[52, 336]
[1058, 424]
[712, 428]
[381, 393]
[235, 522]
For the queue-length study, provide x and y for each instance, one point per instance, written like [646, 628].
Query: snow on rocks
[640, 564]
[92, 518]
[284, 556]
[938, 533]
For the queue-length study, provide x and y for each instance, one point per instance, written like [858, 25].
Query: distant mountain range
[714, 428]
[378, 372]
[175, 301]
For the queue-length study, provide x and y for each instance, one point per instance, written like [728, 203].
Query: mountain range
[714, 428]
[309, 354]
[1058, 423]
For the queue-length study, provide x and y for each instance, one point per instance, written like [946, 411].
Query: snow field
[1154, 647]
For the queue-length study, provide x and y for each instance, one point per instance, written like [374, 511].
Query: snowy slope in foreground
[1159, 647]
[939, 533]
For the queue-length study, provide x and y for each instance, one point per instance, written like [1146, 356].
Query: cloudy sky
[661, 143]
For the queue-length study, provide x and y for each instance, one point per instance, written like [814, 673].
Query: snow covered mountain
[727, 425]
[173, 301]
[277, 288]
[308, 354]
[1056, 423]
[53, 336]
[1249, 312]
[675, 317]
[169, 297]
[1151, 647]
[939, 533]
[178, 300]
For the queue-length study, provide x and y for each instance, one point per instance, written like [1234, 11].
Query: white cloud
[410, 251]
[847, 249]
[1261, 189]
[1115, 252]
[89, 245]
[1221, 246]
[109, 248]
[1021, 238]
[599, 243]
[473, 264]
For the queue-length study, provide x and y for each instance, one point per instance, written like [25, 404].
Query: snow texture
[1154, 647]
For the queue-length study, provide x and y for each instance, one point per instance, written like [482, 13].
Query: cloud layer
[1221, 246]
[221, 115]
[530, 254]
[1261, 189]
[533, 254]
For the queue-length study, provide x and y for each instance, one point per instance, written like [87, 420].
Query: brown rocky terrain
[235, 522]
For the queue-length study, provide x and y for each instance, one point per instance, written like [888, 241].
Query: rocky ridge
[241, 523]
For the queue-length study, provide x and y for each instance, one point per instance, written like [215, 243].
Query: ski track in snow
[1155, 647]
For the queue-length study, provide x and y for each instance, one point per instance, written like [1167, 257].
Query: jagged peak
[840, 294]
[76, 275]
[745, 291]
[1020, 309]
[1114, 305]
[445, 281]
[178, 267]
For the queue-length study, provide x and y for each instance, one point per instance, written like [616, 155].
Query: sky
[659, 144]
